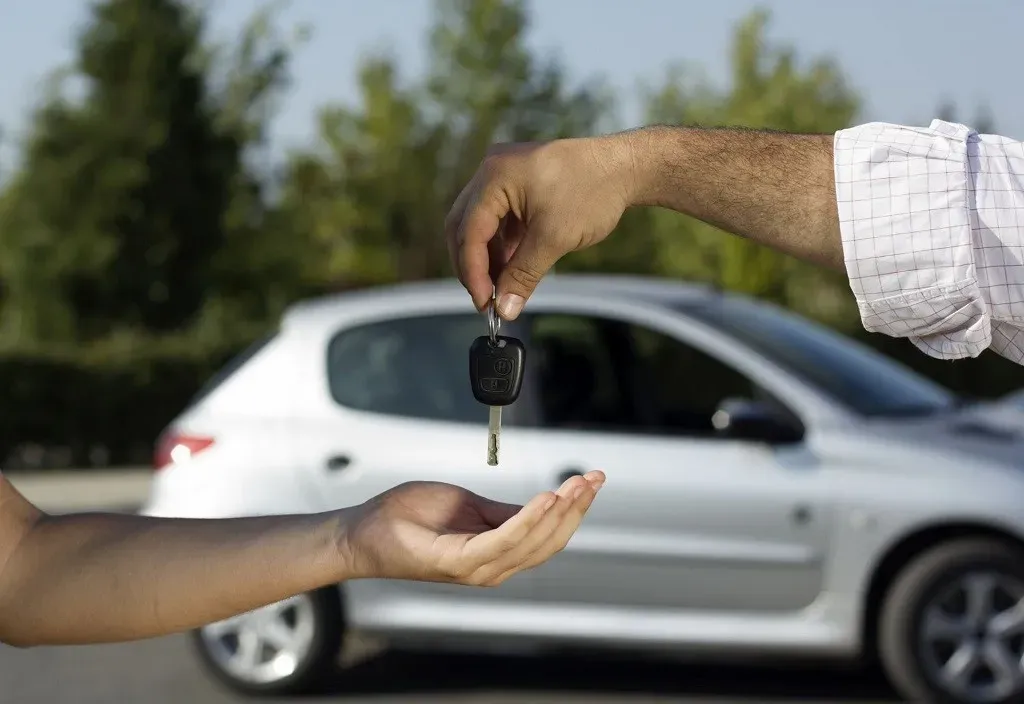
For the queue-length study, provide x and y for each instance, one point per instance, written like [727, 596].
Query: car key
[496, 374]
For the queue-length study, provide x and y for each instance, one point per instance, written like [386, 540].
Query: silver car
[773, 488]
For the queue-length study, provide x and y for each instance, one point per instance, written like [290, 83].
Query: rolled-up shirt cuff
[904, 201]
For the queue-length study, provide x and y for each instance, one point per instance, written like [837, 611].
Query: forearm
[101, 577]
[775, 189]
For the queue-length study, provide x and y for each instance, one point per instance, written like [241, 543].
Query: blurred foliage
[369, 203]
[96, 409]
[149, 231]
[135, 208]
[768, 89]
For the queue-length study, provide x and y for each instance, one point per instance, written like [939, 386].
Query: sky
[903, 56]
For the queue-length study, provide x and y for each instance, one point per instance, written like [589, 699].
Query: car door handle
[338, 462]
[801, 514]
[568, 474]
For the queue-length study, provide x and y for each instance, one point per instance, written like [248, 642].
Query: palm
[423, 523]
[440, 532]
[450, 511]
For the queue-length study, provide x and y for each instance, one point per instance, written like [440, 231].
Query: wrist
[351, 560]
[652, 160]
[336, 530]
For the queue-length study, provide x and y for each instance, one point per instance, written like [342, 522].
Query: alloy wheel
[263, 645]
[971, 636]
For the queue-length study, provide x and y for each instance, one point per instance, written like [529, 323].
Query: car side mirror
[743, 419]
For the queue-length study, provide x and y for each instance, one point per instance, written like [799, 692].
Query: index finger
[480, 223]
[453, 226]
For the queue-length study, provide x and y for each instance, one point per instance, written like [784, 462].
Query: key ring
[493, 322]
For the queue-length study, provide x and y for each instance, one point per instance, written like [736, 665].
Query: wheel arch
[902, 551]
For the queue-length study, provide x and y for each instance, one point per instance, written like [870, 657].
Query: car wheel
[952, 627]
[289, 647]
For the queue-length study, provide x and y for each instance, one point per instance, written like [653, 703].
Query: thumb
[532, 259]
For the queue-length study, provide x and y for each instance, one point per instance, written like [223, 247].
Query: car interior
[614, 376]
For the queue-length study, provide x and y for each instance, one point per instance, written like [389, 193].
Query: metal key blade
[493, 435]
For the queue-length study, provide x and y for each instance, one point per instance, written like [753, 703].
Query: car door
[687, 520]
[393, 405]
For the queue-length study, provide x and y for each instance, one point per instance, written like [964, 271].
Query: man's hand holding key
[530, 204]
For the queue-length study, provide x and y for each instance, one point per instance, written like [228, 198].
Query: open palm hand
[438, 532]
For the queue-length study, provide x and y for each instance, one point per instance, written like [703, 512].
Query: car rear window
[412, 367]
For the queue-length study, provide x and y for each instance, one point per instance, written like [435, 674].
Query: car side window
[574, 373]
[414, 367]
[602, 374]
[683, 385]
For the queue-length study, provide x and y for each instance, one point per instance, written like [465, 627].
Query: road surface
[162, 671]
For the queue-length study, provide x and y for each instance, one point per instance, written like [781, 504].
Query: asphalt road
[162, 671]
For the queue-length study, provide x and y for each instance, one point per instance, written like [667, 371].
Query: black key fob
[496, 369]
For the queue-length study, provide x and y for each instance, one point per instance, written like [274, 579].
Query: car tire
[926, 599]
[309, 658]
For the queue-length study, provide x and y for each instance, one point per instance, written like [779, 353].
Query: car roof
[651, 290]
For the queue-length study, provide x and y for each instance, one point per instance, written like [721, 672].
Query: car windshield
[866, 381]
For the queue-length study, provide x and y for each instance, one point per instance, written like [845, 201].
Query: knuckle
[493, 164]
[499, 168]
[525, 276]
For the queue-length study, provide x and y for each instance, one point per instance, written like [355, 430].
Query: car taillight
[174, 446]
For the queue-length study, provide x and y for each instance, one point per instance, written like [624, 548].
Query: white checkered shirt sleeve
[932, 224]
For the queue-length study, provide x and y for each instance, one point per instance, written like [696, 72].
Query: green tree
[132, 176]
[371, 200]
[128, 198]
[257, 271]
[770, 88]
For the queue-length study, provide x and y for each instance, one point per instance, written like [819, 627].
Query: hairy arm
[912, 215]
[773, 188]
[92, 578]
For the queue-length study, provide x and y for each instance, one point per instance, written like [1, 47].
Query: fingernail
[509, 305]
[577, 493]
[598, 485]
[551, 502]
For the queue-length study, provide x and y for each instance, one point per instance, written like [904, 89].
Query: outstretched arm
[106, 577]
[92, 578]
[925, 221]
[529, 204]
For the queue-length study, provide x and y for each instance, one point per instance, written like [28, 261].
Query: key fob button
[494, 385]
[502, 367]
